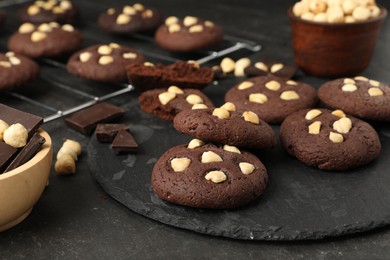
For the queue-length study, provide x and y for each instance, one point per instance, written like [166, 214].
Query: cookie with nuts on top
[227, 126]
[358, 96]
[45, 11]
[45, 40]
[166, 103]
[272, 98]
[16, 70]
[182, 74]
[208, 176]
[130, 19]
[188, 34]
[329, 140]
[105, 63]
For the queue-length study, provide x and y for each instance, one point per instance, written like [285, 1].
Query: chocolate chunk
[105, 133]
[27, 152]
[86, 120]
[7, 153]
[12, 116]
[124, 142]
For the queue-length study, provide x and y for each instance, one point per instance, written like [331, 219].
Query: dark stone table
[75, 218]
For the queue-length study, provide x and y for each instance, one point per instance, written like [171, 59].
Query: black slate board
[299, 203]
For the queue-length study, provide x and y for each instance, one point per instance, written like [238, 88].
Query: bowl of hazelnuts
[335, 38]
[25, 163]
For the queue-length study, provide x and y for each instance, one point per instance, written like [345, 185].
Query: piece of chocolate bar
[12, 116]
[105, 133]
[27, 152]
[7, 153]
[86, 120]
[124, 143]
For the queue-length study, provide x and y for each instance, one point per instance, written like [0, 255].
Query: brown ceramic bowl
[21, 188]
[334, 50]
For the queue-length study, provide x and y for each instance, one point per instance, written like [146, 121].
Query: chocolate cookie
[60, 11]
[16, 70]
[105, 63]
[166, 103]
[130, 19]
[188, 34]
[45, 40]
[227, 126]
[182, 74]
[276, 68]
[272, 98]
[207, 176]
[360, 96]
[329, 140]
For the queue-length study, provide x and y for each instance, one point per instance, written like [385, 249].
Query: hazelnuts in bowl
[335, 38]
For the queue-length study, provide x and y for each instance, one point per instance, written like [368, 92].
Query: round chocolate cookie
[227, 126]
[130, 19]
[45, 40]
[207, 176]
[16, 70]
[105, 63]
[360, 96]
[272, 98]
[329, 140]
[166, 103]
[188, 34]
[45, 11]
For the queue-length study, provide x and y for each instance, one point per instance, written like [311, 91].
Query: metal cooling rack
[231, 45]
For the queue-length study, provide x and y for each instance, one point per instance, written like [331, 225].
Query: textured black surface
[299, 203]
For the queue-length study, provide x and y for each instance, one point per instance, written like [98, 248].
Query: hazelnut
[221, 113]
[229, 106]
[209, 24]
[44, 28]
[104, 50]
[65, 166]
[171, 20]
[289, 95]
[349, 81]
[343, 125]
[67, 150]
[14, 60]
[246, 168]
[273, 85]
[66, 5]
[104, 60]
[292, 82]
[199, 106]
[58, 10]
[3, 127]
[67, 28]
[361, 78]
[5, 64]
[227, 65]
[210, 157]
[147, 14]
[335, 14]
[231, 149]
[261, 66]
[33, 10]
[317, 6]
[300, 8]
[348, 6]
[336, 138]
[276, 67]
[240, 66]
[114, 45]
[349, 87]
[74, 145]
[308, 16]
[15, 135]
[338, 113]
[245, 85]
[258, 98]
[175, 90]
[110, 11]
[189, 21]
[196, 28]
[166, 97]
[320, 18]
[216, 176]
[123, 19]
[195, 143]
[194, 63]
[138, 7]
[148, 64]
[374, 83]
[174, 28]
[85, 56]
[375, 92]
[314, 128]
[180, 164]
[129, 55]
[251, 117]
[38, 36]
[129, 10]
[194, 99]
[313, 113]
[361, 13]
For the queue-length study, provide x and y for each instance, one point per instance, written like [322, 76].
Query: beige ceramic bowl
[21, 188]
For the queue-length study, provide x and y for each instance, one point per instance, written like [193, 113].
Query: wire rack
[87, 96]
